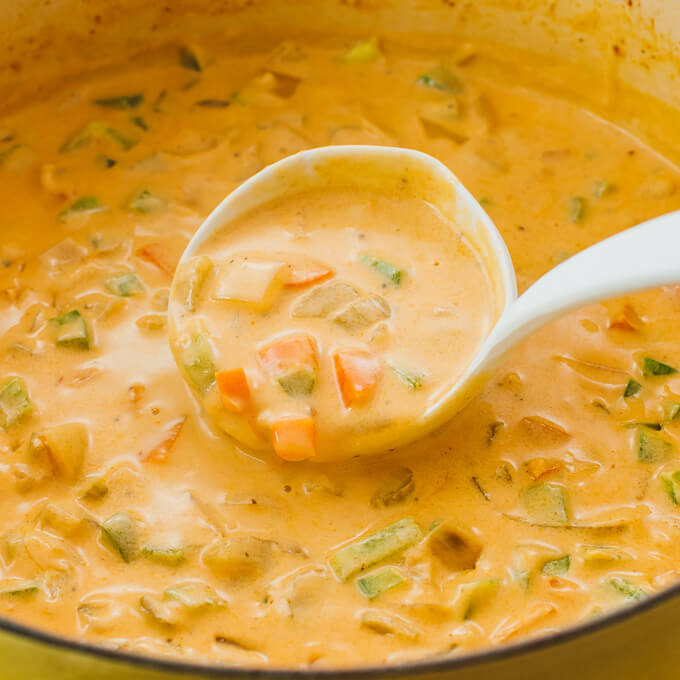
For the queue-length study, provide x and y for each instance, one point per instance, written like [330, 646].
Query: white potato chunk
[252, 281]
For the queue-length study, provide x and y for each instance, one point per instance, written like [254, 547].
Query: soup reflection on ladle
[608, 269]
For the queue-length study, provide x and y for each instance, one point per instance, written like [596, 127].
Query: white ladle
[608, 269]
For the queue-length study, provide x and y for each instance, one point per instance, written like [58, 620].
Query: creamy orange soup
[328, 315]
[128, 520]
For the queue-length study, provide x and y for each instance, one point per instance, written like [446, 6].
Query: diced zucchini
[632, 388]
[196, 356]
[140, 123]
[239, 557]
[456, 548]
[194, 595]
[363, 52]
[168, 555]
[324, 299]
[412, 380]
[120, 530]
[19, 587]
[670, 484]
[252, 281]
[362, 313]
[623, 587]
[651, 448]
[577, 209]
[123, 102]
[389, 271]
[82, 206]
[66, 447]
[94, 131]
[189, 58]
[299, 383]
[397, 487]
[671, 410]
[440, 78]
[547, 504]
[477, 595]
[602, 187]
[366, 552]
[380, 581]
[557, 567]
[71, 330]
[146, 202]
[15, 405]
[653, 367]
[94, 489]
[191, 277]
[125, 285]
[599, 555]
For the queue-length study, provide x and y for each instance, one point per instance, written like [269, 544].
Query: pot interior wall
[625, 48]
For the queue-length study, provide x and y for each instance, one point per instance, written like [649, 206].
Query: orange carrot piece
[159, 453]
[158, 256]
[295, 439]
[234, 390]
[284, 354]
[357, 373]
[306, 272]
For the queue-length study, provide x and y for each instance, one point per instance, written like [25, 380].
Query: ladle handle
[644, 256]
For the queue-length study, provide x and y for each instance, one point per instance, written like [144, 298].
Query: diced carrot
[284, 354]
[158, 256]
[626, 320]
[159, 453]
[294, 438]
[357, 373]
[307, 271]
[234, 389]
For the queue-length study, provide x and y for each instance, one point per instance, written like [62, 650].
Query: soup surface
[128, 521]
[314, 359]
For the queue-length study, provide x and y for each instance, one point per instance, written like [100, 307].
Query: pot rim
[178, 668]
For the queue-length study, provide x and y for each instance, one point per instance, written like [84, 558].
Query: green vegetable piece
[440, 78]
[602, 187]
[380, 581]
[81, 206]
[669, 488]
[389, 271]
[20, 588]
[524, 580]
[651, 448]
[478, 594]
[191, 278]
[547, 504]
[396, 487]
[140, 123]
[125, 285]
[629, 590]
[120, 530]
[198, 362]
[213, 103]
[71, 330]
[410, 379]
[577, 209]
[97, 130]
[632, 388]
[14, 403]
[671, 410]
[194, 596]
[653, 367]
[123, 103]
[145, 202]
[168, 555]
[363, 52]
[188, 57]
[299, 383]
[366, 552]
[558, 567]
